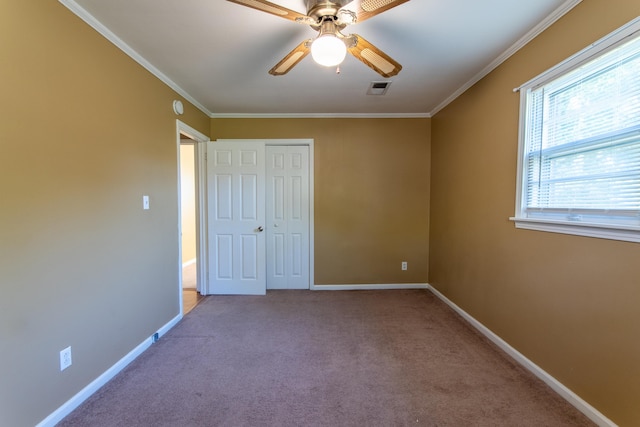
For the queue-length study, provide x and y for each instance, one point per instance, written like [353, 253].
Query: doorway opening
[189, 259]
[192, 247]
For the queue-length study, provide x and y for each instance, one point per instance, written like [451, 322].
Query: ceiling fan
[329, 18]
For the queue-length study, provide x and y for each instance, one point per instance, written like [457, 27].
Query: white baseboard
[71, 404]
[369, 287]
[589, 411]
[188, 263]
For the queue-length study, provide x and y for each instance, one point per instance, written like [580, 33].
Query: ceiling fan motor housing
[318, 9]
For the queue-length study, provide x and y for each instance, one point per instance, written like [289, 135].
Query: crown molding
[523, 41]
[321, 116]
[83, 14]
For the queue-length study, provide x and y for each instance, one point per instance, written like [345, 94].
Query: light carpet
[304, 358]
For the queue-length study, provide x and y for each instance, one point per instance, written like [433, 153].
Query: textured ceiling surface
[218, 53]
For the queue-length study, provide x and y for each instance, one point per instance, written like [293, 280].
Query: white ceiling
[217, 54]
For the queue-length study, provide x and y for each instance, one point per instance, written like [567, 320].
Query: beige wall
[188, 201]
[568, 303]
[85, 132]
[371, 193]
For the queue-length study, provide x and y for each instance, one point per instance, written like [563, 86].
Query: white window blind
[580, 154]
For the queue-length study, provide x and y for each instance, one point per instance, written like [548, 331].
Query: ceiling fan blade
[373, 57]
[292, 58]
[273, 9]
[365, 9]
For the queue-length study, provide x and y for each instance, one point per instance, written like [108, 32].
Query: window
[579, 154]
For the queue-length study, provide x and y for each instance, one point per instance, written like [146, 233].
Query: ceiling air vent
[378, 88]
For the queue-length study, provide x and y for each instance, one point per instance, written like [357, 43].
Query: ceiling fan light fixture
[328, 50]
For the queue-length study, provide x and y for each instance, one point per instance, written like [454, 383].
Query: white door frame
[200, 141]
[201, 178]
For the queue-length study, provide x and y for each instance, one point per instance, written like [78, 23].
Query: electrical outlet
[65, 358]
[404, 265]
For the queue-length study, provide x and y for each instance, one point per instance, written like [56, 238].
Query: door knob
[260, 229]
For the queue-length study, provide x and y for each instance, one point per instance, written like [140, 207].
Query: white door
[236, 213]
[287, 217]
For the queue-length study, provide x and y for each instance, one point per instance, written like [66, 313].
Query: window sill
[600, 231]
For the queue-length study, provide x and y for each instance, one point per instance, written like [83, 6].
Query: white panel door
[236, 214]
[287, 230]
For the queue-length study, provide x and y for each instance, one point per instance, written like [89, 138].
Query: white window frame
[629, 233]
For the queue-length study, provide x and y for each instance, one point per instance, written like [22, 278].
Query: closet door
[287, 217]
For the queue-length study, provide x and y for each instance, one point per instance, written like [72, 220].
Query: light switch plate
[145, 202]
